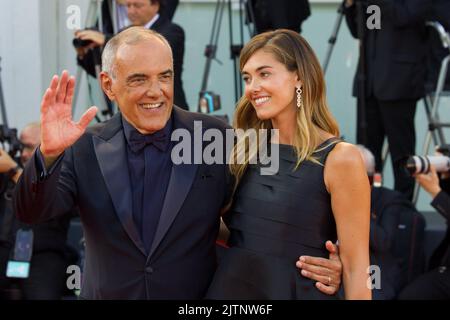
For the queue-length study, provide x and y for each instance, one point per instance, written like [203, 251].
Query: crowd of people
[309, 230]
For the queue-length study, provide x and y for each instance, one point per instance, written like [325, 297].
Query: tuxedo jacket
[93, 174]
[395, 59]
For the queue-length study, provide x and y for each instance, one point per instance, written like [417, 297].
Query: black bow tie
[138, 141]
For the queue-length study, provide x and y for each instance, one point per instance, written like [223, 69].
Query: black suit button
[149, 269]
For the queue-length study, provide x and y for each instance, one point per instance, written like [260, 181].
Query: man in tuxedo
[395, 68]
[435, 283]
[150, 225]
[87, 56]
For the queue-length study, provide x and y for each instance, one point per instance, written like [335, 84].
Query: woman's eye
[264, 74]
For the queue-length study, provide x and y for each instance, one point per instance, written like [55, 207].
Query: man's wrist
[49, 160]
[435, 192]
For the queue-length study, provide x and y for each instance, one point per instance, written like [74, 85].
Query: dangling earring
[299, 92]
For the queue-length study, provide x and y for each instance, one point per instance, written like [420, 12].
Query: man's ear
[106, 83]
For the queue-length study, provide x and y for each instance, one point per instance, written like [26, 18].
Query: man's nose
[154, 89]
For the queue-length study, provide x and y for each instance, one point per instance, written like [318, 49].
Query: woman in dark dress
[320, 191]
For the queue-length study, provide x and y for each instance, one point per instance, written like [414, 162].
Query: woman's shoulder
[344, 154]
[344, 165]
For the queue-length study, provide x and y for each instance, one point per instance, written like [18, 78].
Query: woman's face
[269, 86]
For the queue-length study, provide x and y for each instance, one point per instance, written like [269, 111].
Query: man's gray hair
[369, 159]
[129, 36]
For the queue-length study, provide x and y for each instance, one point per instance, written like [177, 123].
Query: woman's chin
[263, 115]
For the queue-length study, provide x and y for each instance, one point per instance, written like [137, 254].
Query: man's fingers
[70, 91]
[313, 269]
[322, 262]
[46, 100]
[330, 290]
[54, 83]
[87, 117]
[82, 33]
[49, 97]
[62, 87]
[323, 279]
[51, 91]
[331, 247]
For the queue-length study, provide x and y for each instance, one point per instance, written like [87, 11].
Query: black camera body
[78, 43]
[9, 135]
[209, 102]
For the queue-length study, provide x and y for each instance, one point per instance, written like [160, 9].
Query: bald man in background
[50, 258]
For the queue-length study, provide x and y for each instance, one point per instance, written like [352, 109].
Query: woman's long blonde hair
[291, 49]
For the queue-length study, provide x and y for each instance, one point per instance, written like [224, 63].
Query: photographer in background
[397, 252]
[434, 284]
[394, 70]
[49, 260]
[88, 42]
[89, 39]
[149, 14]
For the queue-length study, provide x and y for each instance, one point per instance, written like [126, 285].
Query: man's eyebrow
[168, 72]
[259, 69]
[135, 76]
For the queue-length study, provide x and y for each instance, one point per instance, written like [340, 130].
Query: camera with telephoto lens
[422, 164]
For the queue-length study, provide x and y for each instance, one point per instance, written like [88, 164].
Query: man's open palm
[59, 131]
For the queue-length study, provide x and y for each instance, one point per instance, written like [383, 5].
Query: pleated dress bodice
[273, 221]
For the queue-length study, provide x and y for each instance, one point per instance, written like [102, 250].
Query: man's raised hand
[58, 130]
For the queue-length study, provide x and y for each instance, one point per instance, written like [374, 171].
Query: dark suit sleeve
[87, 63]
[403, 13]
[351, 19]
[41, 196]
[381, 234]
[442, 204]
[168, 11]
[230, 181]
[175, 37]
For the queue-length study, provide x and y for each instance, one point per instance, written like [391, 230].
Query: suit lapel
[110, 149]
[181, 179]
[159, 23]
